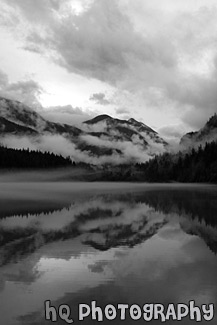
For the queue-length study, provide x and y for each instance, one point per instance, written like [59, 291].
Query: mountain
[207, 133]
[125, 129]
[9, 127]
[122, 140]
[19, 119]
[101, 140]
[114, 122]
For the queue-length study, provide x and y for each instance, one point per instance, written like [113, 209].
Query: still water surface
[113, 243]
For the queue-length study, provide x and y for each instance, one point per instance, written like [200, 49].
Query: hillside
[207, 133]
[196, 166]
[102, 140]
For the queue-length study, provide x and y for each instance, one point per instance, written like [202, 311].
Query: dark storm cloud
[100, 99]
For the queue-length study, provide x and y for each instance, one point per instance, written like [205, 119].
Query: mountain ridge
[109, 119]
[103, 139]
[207, 133]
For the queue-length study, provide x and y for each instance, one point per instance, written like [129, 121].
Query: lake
[113, 243]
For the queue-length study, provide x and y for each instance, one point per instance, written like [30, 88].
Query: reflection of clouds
[203, 230]
[59, 219]
[42, 258]
[95, 217]
[105, 221]
[24, 272]
[98, 267]
[169, 271]
[158, 270]
[143, 254]
[54, 277]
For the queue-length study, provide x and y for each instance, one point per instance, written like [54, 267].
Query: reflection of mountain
[119, 235]
[106, 222]
[201, 229]
[199, 203]
[128, 248]
[197, 209]
[102, 224]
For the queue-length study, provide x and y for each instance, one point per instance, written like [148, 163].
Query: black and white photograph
[108, 162]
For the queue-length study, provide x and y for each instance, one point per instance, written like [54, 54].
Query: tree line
[24, 158]
[197, 165]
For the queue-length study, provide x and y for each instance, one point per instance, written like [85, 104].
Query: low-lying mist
[123, 151]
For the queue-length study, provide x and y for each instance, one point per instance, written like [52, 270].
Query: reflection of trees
[193, 203]
[106, 222]
[15, 207]
[198, 207]
[114, 225]
[204, 231]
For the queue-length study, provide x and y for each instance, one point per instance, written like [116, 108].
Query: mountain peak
[132, 120]
[107, 139]
[98, 119]
[135, 122]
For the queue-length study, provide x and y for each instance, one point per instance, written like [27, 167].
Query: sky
[153, 60]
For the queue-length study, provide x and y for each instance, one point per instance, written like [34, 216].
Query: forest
[194, 166]
[197, 165]
[24, 158]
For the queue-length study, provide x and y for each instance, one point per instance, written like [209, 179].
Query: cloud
[122, 110]
[60, 145]
[131, 151]
[172, 134]
[198, 96]
[100, 99]
[172, 131]
[67, 114]
[36, 11]
[123, 151]
[108, 53]
[119, 42]
[27, 91]
[3, 79]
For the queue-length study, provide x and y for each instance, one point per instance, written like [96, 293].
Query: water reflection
[150, 246]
